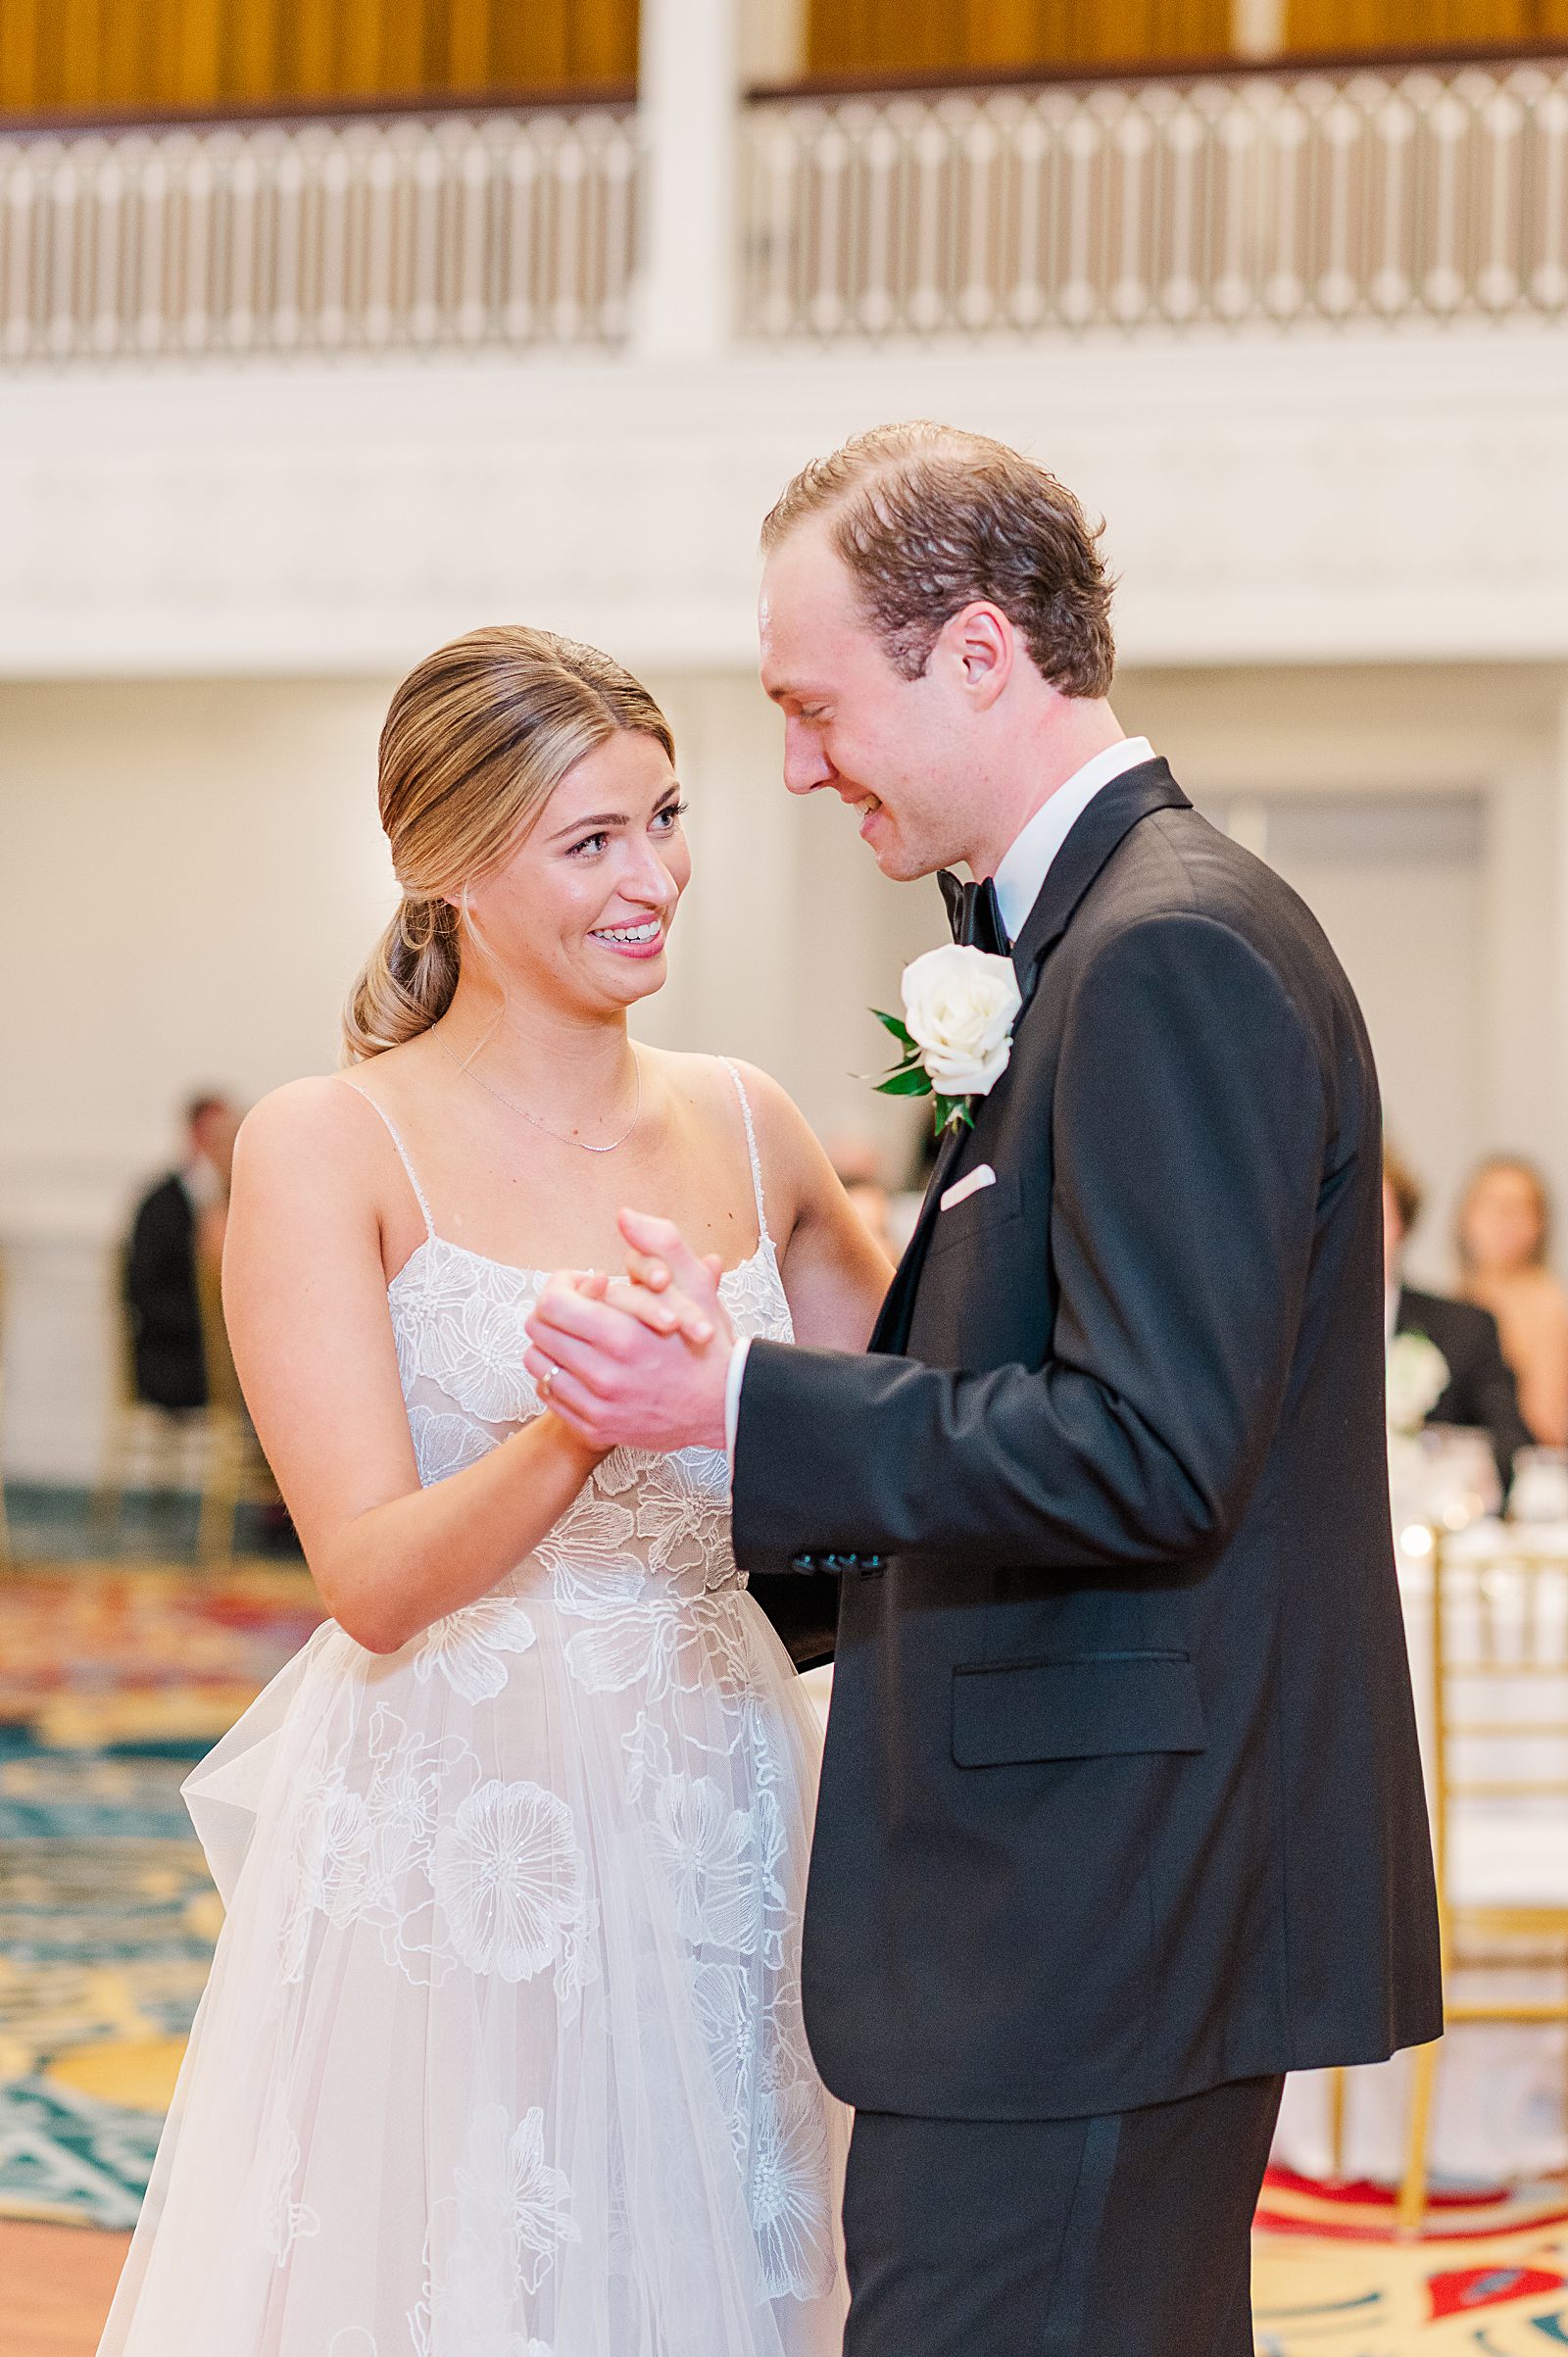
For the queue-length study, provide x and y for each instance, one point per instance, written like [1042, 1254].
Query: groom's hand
[611, 1376]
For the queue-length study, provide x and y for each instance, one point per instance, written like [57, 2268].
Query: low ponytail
[478, 739]
[406, 982]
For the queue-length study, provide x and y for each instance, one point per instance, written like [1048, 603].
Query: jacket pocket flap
[1093, 1706]
[988, 1207]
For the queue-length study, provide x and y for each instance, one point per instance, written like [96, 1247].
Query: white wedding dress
[502, 2052]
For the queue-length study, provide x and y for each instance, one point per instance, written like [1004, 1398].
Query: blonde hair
[928, 520]
[476, 740]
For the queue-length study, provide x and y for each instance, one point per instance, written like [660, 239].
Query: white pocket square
[970, 1184]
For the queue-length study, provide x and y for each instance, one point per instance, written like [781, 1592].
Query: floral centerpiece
[1417, 1378]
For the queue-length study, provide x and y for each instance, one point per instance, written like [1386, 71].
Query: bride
[502, 2051]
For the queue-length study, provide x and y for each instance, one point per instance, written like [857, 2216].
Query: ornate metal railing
[1403, 193]
[370, 234]
[1418, 192]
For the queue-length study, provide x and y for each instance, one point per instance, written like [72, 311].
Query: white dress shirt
[1024, 867]
[1028, 859]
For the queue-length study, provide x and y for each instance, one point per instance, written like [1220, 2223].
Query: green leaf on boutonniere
[899, 1029]
[910, 1080]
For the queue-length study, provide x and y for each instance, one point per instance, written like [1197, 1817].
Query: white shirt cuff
[733, 1396]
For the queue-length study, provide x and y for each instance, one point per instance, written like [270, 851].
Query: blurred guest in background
[1504, 1236]
[180, 1222]
[1480, 1388]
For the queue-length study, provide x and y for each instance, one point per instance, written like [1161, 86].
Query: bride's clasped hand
[664, 1331]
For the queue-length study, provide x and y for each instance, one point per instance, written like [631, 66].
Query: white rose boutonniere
[960, 1007]
[1418, 1377]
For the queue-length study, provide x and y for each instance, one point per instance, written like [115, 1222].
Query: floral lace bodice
[459, 1322]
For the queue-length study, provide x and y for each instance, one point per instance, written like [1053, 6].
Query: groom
[1121, 1812]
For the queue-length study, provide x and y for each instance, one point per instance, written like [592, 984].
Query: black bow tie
[975, 914]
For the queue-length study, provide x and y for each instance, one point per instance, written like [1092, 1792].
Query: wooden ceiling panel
[909, 37]
[121, 57]
[894, 36]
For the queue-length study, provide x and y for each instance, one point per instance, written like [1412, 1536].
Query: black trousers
[1122, 2237]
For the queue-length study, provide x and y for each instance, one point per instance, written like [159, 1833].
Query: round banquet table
[1501, 2087]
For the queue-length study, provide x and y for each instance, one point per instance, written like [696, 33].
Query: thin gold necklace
[523, 1113]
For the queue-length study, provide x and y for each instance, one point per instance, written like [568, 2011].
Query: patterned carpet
[113, 1678]
[111, 1681]
[1490, 2276]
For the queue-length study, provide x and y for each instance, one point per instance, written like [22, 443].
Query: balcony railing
[455, 232]
[1420, 193]
[1281, 197]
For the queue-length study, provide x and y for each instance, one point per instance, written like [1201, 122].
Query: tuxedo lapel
[892, 1323]
[1112, 814]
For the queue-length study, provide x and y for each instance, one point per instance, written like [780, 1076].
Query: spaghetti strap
[750, 1147]
[403, 1154]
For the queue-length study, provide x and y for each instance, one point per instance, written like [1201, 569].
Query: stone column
[773, 40]
[1258, 27]
[688, 106]
[1553, 1079]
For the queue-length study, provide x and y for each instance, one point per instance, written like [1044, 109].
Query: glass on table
[1459, 1474]
[1540, 1492]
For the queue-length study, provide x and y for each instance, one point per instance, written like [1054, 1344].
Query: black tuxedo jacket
[162, 1300]
[1482, 1390]
[1121, 1796]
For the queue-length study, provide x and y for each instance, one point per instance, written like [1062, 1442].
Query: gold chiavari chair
[1498, 1779]
[234, 1472]
[154, 1448]
[145, 1446]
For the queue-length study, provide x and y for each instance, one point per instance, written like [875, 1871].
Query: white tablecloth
[1501, 2087]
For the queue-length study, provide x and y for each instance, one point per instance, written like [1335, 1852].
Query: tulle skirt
[502, 2052]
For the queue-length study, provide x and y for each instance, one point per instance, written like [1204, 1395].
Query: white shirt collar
[1028, 859]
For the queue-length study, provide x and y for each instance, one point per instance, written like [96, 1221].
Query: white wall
[1341, 494]
[190, 872]
[188, 877]
[193, 869]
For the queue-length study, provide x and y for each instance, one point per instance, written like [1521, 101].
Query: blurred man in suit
[1481, 1390]
[178, 1218]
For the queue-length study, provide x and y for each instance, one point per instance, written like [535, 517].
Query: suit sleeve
[1188, 1145]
